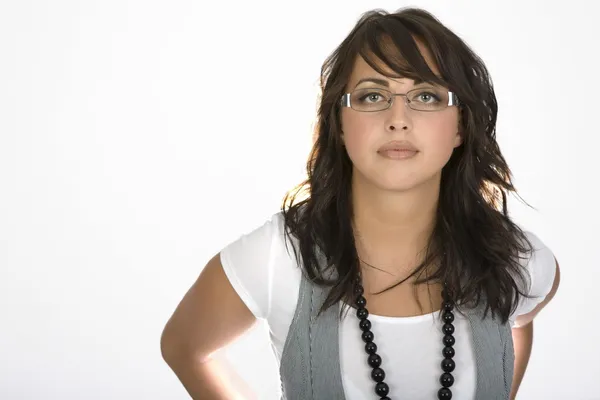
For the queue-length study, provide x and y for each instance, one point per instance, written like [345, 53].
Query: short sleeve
[247, 264]
[540, 269]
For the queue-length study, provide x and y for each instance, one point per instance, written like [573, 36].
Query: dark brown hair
[478, 246]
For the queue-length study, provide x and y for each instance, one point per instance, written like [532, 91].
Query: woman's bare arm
[210, 316]
[523, 335]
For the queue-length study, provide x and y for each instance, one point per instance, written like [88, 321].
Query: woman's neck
[392, 227]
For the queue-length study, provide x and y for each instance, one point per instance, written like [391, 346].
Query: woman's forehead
[361, 68]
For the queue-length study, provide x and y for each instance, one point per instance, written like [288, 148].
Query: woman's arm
[523, 340]
[522, 335]
[210, 316]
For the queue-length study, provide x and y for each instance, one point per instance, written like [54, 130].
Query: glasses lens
[370, 99]
[428, 99]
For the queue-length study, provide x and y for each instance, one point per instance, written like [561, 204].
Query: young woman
[401, 274]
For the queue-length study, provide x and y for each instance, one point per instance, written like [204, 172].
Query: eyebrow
[382, 82]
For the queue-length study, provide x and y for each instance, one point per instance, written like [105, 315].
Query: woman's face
[433, 134]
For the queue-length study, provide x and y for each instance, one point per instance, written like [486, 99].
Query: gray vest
[310, 362]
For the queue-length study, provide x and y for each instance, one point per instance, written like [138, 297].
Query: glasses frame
[452, 100]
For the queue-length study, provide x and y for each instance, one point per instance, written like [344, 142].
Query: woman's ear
[458, 139]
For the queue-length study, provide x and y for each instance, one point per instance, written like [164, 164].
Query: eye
[371, 97]
[426, 97]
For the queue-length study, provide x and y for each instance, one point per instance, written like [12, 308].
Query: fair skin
[395, 201]
[522, 335]
[210, 316]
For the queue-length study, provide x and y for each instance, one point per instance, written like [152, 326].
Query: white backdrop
[137, 138]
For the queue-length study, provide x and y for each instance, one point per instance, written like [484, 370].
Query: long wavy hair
[476, 245]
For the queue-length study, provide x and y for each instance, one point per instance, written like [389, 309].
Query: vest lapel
[494, 355]
[310, 362]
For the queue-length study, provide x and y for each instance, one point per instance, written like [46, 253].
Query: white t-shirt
[266, 276]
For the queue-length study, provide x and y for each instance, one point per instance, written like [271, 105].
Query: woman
[405, 278]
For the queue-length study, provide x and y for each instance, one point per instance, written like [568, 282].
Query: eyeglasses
[420, 99]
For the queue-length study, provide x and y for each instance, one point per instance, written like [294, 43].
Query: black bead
[378, 374]
[361, 301]
[448, 329]
[370, 347]
[374, 360]
[448, 352]
[448, 365]
[448, 306]
[449, 340]
[444, 393]
[448, 317]
[382, 389]
[365, 325]
[362, 313]
[446, 379]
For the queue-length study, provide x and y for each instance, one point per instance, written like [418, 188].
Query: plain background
[137, 138]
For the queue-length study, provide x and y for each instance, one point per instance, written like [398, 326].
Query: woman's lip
[399, 154]
[398, 145]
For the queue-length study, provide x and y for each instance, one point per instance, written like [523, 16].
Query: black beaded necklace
[374, 360]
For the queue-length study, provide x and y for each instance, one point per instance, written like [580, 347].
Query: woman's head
[408, 49]
[374, 118]
[448, 115]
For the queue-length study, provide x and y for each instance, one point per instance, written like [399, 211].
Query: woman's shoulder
[262, 234]
[539, 267]
[540, 262]
[259, 264]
